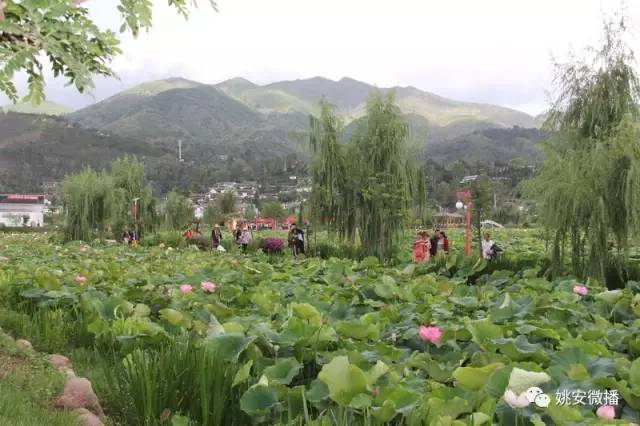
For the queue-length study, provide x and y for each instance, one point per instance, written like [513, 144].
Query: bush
[344, 250]
[168, 238]
[272, 245]
[201, 242]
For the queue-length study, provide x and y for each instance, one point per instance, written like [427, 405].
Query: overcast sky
[493, 51]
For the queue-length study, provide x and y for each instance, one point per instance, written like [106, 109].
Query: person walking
[237, 233]
[433, 250]
[490, 249]
[187, 234]
[422, 248]
[245, 238]
[126, 235]
[216, 237]
[300, 240]
[443, 243]
[296, 240]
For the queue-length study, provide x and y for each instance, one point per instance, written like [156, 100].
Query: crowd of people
[426, 247]
[242, 236]
[130, 236]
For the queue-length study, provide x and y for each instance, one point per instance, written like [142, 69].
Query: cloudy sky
[494, 51]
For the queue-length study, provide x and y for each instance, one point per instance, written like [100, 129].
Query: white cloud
[494, 51]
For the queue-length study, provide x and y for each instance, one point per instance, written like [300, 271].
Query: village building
[449, 220]
[22, 210]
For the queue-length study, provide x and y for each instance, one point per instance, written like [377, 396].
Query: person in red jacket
[421, 248]
[445, 242]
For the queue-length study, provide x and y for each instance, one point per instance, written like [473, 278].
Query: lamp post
[466, 197]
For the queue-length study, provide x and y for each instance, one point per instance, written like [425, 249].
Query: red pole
[467, 233]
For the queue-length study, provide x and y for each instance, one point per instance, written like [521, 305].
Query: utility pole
[180, 150]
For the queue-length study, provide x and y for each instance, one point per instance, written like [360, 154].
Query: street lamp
[466, 197]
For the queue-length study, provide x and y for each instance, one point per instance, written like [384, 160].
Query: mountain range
[242, 123]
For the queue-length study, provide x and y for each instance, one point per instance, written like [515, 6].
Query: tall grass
[183, 377]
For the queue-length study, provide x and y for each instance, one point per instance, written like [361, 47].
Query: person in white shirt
[487, 247]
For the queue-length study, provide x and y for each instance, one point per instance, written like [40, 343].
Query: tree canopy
[62, 31]
[587, 189]
[365, 187]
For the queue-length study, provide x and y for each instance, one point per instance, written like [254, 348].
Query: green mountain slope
[162, 112]
[46, 107]
[350, 96]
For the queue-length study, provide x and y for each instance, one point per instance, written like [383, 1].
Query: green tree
[129, 192]
[328, 172]
[62, 31]
[481, 197]
[250, 214]
[383, 178]
[211, 214]
[227, 203]
[368, 185]
[587, 188]
[272, 209]
[84, 199]
[178, 210]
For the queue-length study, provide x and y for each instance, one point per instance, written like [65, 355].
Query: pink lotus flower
[186, 288]
[606, 412]
[430, 334]
[4, 259]
[581, 290]
[208, 286]
[80, 279]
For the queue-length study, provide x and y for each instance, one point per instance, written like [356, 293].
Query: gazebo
[449, 220]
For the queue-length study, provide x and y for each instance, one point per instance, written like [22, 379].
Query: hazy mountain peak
[46, 107]
[237, 83]
[151, 88]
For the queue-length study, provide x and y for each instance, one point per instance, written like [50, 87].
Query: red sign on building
[22, 198]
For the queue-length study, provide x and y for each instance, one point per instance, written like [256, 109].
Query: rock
[87, 418]
[59, 361]
[78, 393]
[62, 364]
[24, 344]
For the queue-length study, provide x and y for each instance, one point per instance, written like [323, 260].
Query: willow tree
[328, 173]
[366, 186]
[588, 189]
[178, 211]
[84, 199]
[130, 198]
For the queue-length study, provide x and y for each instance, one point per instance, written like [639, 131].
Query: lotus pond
[181, 336]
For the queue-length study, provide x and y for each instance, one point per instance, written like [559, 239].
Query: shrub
[201, 242]
[272, 245]
[168, 238]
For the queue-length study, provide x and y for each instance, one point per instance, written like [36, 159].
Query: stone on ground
[78, 393]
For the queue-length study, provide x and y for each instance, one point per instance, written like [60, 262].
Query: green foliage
[368, 185]
[130, 198]
[272, 209]
[227, 203]
[84, 199]
[92, 201]
[186, 377]
[178, 211]
[62, 31]
[481, 196]
[211, 214]
[587, 188]
[28, 385]
[323, 341]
